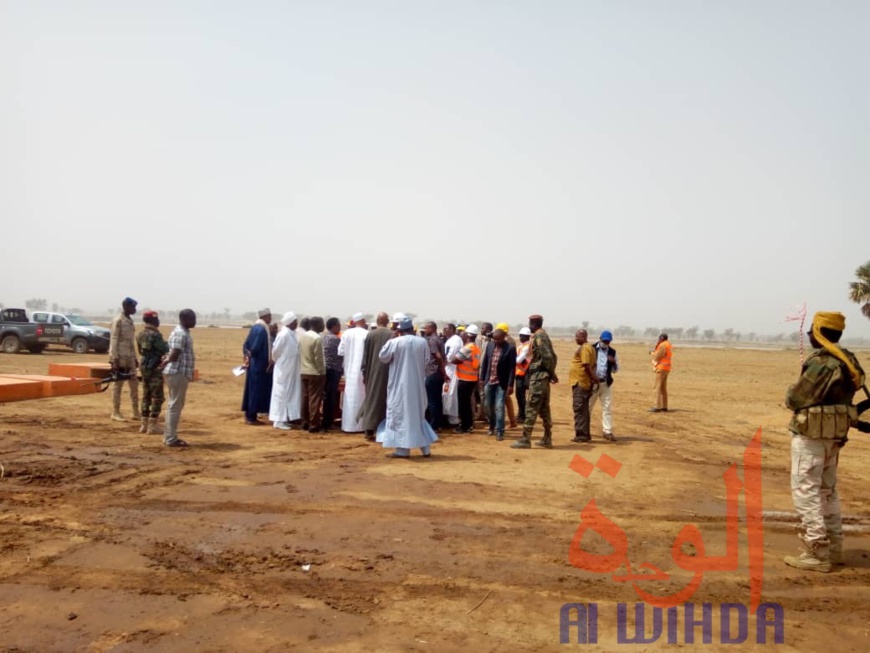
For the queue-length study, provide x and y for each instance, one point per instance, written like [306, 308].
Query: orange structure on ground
[58, 386]
[62, 380]
[20, 387]
[89, 370]
[16, 389]
[81, 370]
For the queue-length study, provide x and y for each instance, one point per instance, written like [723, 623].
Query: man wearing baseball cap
[122, 357]
[606, 366]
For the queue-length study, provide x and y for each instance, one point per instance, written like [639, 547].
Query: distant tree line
[859, 292]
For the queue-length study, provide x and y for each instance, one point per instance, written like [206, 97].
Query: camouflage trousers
[814, 489]
[538, 403]
[152, 396]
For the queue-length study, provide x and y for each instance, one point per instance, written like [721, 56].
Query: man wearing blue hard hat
[607, 366]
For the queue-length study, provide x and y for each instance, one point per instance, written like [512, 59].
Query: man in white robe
[405, 426]
[450, 398]
[351, 348]
[285, 405]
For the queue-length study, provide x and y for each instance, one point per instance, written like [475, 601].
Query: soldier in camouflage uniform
[152, 349]
[542, 372]
[823, 412]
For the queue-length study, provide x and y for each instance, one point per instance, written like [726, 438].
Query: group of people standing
[295, 377]
[158, 361]
[399, 389]
[295, 373]
[468, 373]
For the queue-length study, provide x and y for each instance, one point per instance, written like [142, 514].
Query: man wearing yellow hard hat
[821, 401]
[497, 372]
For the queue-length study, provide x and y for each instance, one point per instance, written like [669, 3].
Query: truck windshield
[78, 320]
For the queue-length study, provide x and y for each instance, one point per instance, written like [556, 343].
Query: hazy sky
[643, 163]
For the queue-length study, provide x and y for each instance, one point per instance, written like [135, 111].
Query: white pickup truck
[80, 334]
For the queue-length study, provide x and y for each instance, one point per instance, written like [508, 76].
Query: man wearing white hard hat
[521, 384]
[450, 398]
[467, 361]
[405, 426]
[352, 347]
[285, 406]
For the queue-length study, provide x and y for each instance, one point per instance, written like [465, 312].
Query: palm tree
[859, 291]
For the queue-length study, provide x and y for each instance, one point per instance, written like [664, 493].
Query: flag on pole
[799, 315]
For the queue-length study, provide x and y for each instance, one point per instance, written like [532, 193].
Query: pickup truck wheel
[80, 346]
[11, 344]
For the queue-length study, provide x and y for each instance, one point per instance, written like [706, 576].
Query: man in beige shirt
[313, 374]
[122, 357]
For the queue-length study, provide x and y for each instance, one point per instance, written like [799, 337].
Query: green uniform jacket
[152, 347]
[543, 357]
[824, 381]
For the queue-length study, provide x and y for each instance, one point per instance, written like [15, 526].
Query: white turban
[263, 312]
[289, 318]
[358, 317]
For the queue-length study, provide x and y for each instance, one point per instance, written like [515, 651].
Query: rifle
[114, 377]
[864, 427]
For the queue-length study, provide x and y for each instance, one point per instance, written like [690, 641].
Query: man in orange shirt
[467, 361]
[661, 361]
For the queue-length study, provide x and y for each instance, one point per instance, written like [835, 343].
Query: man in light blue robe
[405, 426]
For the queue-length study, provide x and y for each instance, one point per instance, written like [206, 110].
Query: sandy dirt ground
[260, 540]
